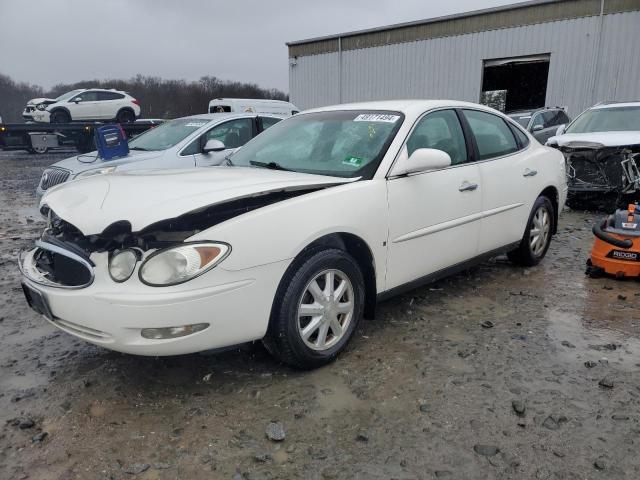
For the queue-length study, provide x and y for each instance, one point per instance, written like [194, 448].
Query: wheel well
[552, 194]
[360, 251]
[61, 109]
[128, 109]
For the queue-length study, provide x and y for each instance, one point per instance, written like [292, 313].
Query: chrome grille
[52, 177]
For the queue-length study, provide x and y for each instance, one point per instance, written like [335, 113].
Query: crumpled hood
[598, 139]
[38, 101]
[146, 197]
[88, 161]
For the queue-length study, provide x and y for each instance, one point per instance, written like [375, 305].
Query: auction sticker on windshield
[376, 117]
[196, 124]
[352, 161]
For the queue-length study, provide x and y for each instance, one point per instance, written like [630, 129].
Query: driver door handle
[529, 173]
[467, 187]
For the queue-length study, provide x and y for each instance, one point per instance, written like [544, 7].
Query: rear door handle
[529, 173]
[467, 187]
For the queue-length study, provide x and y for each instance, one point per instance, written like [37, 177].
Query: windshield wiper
[270, 165]
[142, 149]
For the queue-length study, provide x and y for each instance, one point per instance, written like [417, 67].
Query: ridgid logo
[625, 255]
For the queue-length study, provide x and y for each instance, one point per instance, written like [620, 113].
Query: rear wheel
[317, 308]
[537, 237]
[125, 116]
[60, 116]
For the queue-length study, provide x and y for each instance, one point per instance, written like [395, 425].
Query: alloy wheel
[540, 231]
[325, 310]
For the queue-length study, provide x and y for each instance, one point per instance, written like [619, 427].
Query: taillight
[135, 102]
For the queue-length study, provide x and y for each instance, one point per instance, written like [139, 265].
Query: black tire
[283, 339]
[125, 116]
[60, 116]
[525, 255]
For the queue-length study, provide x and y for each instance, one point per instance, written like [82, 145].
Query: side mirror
[537, 128]
[213, 146]
[422, 160]
[561, 129]
[76, 100]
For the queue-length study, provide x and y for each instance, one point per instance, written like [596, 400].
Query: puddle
[591, 342]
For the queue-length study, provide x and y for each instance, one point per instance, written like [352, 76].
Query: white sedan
[293, 243]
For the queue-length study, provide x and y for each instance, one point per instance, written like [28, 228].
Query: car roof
[408, 107]
[615, 105]
[227, 116]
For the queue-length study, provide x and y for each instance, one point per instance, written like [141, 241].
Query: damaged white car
[602, 150]
[295, 240]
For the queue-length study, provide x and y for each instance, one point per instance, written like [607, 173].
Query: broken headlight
[180, 264]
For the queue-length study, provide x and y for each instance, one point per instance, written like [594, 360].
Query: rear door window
[440, 130]
[267, 122]
[493, 136]
[110, 96]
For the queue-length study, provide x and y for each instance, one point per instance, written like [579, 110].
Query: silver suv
[542, 123]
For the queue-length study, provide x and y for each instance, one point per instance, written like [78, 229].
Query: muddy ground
[424, 390]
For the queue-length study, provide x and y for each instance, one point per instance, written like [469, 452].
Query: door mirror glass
[213, 146]
[422, 160]
[77, 100]
[561, 129]
[537, 128]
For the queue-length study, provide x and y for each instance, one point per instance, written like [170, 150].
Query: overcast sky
[50, 41]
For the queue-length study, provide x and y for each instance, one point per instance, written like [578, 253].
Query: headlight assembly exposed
[96, 171]
[182, 263]
[122, 264]
[41, 106]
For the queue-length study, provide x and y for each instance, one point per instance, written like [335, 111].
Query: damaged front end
[601, 174]
[62, 257]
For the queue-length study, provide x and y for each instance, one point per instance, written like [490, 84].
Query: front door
[434, 217]
[233, 134]
[85, 106]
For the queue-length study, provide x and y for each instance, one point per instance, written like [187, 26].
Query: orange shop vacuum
[616, 250]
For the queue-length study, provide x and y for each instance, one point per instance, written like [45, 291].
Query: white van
[252, 105]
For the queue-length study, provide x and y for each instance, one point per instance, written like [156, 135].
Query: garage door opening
[518, 83]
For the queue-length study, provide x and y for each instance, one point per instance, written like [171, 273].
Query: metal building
[573, 53]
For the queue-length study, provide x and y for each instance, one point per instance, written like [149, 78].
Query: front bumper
[42, 116]
[236, 305]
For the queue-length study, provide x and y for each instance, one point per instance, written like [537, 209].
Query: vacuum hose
[602, 235]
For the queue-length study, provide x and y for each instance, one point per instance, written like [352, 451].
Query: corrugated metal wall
[451, 67]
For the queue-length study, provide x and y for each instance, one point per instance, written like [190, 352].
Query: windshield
[521, 118]
[167, 135]
[613, 119]
[337, 143]
[68, 95]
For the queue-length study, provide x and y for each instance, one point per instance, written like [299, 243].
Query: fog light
[172, 332]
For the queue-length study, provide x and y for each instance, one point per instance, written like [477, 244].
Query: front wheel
[60, 116]
[317, 308]
[537, 237]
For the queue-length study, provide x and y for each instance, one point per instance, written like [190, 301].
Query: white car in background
[197, 141]
[91, 104]
[312, 222]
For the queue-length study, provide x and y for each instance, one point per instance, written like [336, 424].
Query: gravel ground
[495, 373]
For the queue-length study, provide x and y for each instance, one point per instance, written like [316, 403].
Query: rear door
[509, 178]
[110, 103]
[434, 217]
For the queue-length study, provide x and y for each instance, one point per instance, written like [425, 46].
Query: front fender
[281, 231]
